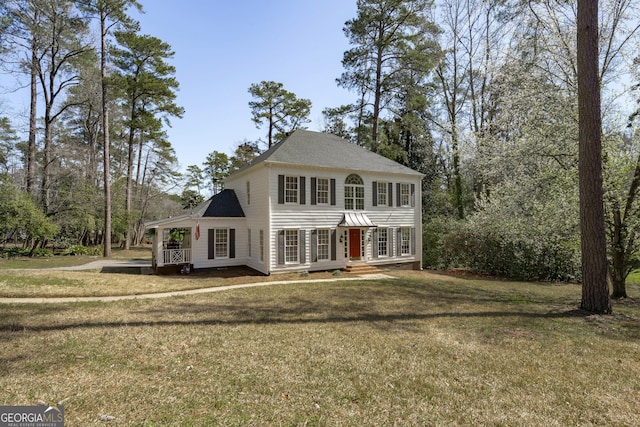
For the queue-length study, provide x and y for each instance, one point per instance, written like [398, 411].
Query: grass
[68, 261]
[422, 349]
[47, 283]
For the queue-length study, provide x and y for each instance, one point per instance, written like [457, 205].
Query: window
[405, 239]
[354, 193]
[383, 241]
[291, 189]
[382, 193]
[322, 191]
[291, 246]
[323, 245]
[405, 195]
[261, 245]
[221, 242]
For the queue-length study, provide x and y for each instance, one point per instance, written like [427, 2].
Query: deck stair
[361, 269]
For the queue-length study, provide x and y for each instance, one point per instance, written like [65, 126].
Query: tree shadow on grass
[384, 304]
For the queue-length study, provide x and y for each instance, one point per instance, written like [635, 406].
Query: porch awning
[356, 219]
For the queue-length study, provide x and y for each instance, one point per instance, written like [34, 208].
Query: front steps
[361, 269]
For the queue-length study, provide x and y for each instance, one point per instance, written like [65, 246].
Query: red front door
[354, 243]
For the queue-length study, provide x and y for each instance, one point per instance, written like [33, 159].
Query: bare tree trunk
[106, 149]
[33, 117]
[595, 289]
[129, 190]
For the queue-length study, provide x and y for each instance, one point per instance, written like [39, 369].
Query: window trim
[382, 189]
[405, 239]
[326, 245]
[326, 193]
[288, 248]
[356, 200]
[385, 240]
[291, 195]
[401, 197]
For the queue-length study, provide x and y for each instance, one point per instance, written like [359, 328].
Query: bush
[434, 232]
[521, 257]
[14, 252]
[42, 253]
[81, 250]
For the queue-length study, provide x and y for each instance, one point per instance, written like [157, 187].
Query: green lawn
[421, 349]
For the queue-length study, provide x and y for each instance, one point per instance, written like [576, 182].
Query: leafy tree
[112, 15]
[216, 169]
[622, 201]
[24, 38]
[282, 110]
[8, 140]
[20, 216]
[194, 178]
[244, 153]
[389, 37]
[189, 199]
[63, 45]
[148, 88]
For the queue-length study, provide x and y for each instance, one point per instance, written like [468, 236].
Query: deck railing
[176, 256]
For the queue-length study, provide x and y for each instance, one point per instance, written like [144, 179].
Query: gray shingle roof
[309, 148]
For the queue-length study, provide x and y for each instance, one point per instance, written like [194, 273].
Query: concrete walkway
[176, 293]
[102, 263]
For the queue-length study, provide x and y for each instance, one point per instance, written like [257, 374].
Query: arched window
[354, 193]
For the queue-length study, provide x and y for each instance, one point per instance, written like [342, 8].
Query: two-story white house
[312, 202]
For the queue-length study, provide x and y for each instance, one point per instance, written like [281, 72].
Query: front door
[354, 243]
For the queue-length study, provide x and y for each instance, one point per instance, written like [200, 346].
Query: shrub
[434, 232]
[515, 255]
[14, 252]
[42, 253]
[77, 250]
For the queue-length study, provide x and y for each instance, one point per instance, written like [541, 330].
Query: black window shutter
[313, 190]
[398, 198]
[314, 245]
[303, 247]
[303, 191]
[413, 241]
[281, 247]
[333, 245]
[375, 243]
[211, 243]
[413, 195]
[281, 189]
[374, 193]
[232, 243]
[399, 241]
[390, 195]
[333, 192]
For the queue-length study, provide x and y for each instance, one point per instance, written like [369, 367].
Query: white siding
[256, 213]
[308, 217]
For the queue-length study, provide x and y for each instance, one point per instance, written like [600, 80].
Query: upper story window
[354, 193]
[405, 195]
[291, 189]
[322, 191]
[381, 195]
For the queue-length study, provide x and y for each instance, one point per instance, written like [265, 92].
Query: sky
[223, 46]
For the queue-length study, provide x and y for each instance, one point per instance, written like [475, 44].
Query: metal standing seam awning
[356, 219]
